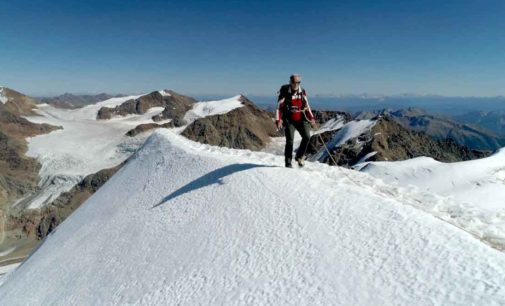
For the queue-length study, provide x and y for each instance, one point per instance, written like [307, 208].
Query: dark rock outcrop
[322, 117]
[175, 105]
[247, 127]
[18, 172]
[37, 224]
[53, 214]
[392, 142]
[141, 128]
[18, 103]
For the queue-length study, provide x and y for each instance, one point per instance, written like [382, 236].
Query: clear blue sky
[228, 47]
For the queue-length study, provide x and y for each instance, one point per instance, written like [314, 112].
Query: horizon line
[318, 95]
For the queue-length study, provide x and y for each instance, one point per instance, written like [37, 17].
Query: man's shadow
[213, 177]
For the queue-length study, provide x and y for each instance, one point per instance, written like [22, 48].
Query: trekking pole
[327, 150]
[323, 142]
[319, 136]
[325, 147]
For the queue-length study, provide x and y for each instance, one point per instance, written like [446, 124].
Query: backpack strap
[286, 92]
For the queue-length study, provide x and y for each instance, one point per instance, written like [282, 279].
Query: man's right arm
[280, 107]
[278, 112]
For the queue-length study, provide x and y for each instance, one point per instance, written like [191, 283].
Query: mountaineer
[294, 113]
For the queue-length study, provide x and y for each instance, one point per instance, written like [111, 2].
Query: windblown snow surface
[184, 223]
[469, 194]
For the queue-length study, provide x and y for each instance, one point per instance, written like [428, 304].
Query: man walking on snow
[293, 112]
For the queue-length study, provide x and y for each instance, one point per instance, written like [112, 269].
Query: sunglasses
[297, 82]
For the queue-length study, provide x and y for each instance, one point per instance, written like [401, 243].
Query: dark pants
[303, 127]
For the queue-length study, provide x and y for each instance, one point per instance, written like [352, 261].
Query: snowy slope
[185, 223]
[331, 125]
[6, 270]
[475, 190]
[210, 108]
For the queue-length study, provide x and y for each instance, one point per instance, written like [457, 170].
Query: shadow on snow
[213, 177]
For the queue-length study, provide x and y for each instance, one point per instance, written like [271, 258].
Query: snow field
[469, 194]
[209, 108]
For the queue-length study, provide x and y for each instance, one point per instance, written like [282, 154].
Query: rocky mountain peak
[247, 127]
[175, 104]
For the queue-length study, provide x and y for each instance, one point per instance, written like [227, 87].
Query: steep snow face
[351, 129]
[3, 97]
[331, 125]
[475, 190]
[185, 223]
[209, 108]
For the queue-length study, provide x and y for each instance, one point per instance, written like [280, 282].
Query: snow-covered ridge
[475, 190]
[331, 125]
[5, 270]
[186, 223]
[210, 108]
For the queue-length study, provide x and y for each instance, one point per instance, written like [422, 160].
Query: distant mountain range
[71, 101]
[442, 127]
[448, 106]
[174, 107]
[492, 120]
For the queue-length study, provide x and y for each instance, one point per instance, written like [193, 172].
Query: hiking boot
[288, 163]
[300, 161]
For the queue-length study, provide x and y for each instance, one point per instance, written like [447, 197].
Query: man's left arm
[308, 111]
